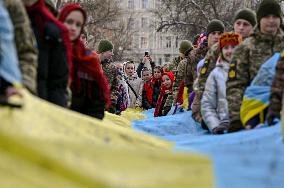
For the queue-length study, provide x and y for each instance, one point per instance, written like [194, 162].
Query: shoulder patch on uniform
[203, 70]
[232, 71]
[205, 67]
[282, 54]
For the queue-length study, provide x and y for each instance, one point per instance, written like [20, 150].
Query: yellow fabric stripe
[261, 117]
[185, 98]
[133, 114]
[43, 145]
[250, 108]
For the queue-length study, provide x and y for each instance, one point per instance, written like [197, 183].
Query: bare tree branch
[201, 10]
[165, 24]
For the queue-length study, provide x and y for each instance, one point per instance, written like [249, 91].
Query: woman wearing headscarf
[90, 91]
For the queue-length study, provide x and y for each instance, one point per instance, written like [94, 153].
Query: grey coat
[137, 85]
[214, 107]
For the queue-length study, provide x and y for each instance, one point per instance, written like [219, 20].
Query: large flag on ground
[43, 145]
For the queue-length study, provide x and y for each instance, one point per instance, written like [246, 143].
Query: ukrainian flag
[256, 96]
[44, 145]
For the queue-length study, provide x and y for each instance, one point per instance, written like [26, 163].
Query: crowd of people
[215, 75]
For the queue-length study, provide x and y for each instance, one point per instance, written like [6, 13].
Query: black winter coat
[156, 93]
[85, 105]
[53, 68]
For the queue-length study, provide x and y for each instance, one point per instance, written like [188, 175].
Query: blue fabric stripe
[252, 158]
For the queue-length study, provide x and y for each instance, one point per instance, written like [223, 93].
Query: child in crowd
[147, 93]
[167, 82]
[157, 82]
[90, 91]
[214, 107]
[135, 85]
[146, 74]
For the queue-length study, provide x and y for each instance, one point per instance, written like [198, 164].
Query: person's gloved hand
[270, 118]
[235, 126]
[221, 129]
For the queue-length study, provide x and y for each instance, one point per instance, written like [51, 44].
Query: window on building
[168, 42]
[177, 42]
[143, 42]
[157, 4]
[160, 61]
[144, 23]
[131, 4]
[161, 42]
[131, 23]
[144, 4]
[136, 43]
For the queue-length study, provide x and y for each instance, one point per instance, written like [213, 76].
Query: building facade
[162, 47]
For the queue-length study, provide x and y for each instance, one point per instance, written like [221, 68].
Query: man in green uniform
[105, 50]
[267, 39]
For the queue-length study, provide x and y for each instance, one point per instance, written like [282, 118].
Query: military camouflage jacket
[173, 66]
[187, 71]
[247, 59]
[191, 67]
[209, 64]
[277, 88]
[25, 42]
[179, 77]
[111, 74]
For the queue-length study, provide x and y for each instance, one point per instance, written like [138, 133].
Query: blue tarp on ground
[253, 159]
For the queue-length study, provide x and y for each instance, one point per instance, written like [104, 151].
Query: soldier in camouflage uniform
[184, 48]
[275, 104]
[105, 52]
[244, 22]
[25, 43]
[186, 70]
[267, 39]
[214, 30]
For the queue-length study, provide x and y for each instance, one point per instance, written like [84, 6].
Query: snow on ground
[253, 159]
